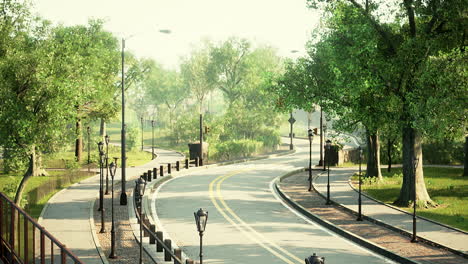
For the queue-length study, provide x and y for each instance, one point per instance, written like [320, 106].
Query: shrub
[236, 149]
[132, 138]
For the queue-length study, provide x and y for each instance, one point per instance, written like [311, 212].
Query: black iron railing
[24, 241]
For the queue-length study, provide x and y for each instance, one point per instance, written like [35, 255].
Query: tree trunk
[79, 141]
[102, 129]
[389, 154]
[412, 149]
[373, 157]
[465, 170]
[34, 169]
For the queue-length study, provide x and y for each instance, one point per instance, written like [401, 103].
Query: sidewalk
[68, 214]
[342, 193]
[295, 187]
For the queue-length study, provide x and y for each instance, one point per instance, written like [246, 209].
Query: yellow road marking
[244, 227]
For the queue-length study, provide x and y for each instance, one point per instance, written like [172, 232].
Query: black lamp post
[141, 133]
[101, 187]
[314, 259]
[324, 131]
[201, 217]
[327, 157]
[140, 186]
[414, 239]
[123, 193]
[152, 139]
[88, 130]
[107, 139]
[311, 138]
[360, 183]
[113, 169]
[291, 122]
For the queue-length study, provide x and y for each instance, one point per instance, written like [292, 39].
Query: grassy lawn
[446, 186]
[44, 187]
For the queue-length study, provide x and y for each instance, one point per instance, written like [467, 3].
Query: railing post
[63, 256]
[12, 231]
[178, 254]
[26, 239]
[143, 222]
[149, 175]
[186, 163]
[167, 253]
[155, 173]
[161, 170]
[169, 168]
[42, 242]
[196, 162]
[152, 236]
[160, 236]
[201, 162]
[177, 165]
[145, 176]
[1, 225]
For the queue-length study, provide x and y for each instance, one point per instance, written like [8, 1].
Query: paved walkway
[342, 193]
[68, 213]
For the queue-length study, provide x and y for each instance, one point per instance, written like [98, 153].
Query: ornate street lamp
[123, 193]
[314, 259]
[414, 239]
[311, 138]
[101, 183]
[113, 169]
[201, 217]
[140, 186]
[107, 139]
[327, 156]
[360, 183]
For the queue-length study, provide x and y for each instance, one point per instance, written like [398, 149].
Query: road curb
[348, 235]
[94, 232]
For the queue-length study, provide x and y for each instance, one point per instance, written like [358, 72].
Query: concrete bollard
[189, 261]
[196, 162]
[161, 170]
[186, 163]
[152, 237]
[177, 165]
[178, 254]
[169, 168]
[149, 175]
[155, 173]
[160, 236]
[167, 254]
[145, 176]
[201, 162]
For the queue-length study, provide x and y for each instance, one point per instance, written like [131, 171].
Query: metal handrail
[14, 256]
[151, 233]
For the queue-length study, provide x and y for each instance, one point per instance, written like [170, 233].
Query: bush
[133, 137]
[236, 149]
[445, 152]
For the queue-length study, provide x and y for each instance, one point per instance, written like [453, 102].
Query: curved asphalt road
[247, 223]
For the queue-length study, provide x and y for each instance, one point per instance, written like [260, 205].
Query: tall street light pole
[311, 138]
[107, 139]
[88, 130]
[152, 138]
[142, 133]
[360, 183]
[321, 162]
[327, 156]
[123, 193]
[415, 166]
[200, 157]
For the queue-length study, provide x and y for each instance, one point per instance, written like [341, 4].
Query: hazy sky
[284, 24]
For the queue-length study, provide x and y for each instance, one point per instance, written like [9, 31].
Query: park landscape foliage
[393, 69]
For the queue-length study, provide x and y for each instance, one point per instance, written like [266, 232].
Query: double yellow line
[247, 230]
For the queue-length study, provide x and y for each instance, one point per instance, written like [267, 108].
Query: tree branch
[410, 11]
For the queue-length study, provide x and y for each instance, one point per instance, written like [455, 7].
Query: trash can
[194, 150]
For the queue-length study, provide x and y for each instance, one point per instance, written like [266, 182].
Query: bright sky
[284, 24]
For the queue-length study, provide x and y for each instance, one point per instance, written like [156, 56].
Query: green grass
[446, 186]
